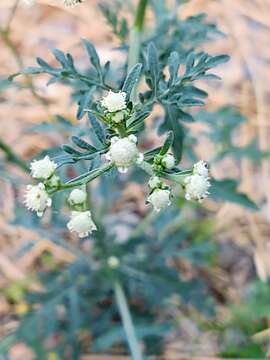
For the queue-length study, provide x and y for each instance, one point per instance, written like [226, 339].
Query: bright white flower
[72, 2]
[196, 187]
[43, 169]
[81, 222]
[160, 199]
[201, 168]
[77, 196]
[124, 153]
[37, 199]
[154, 182]
[168, 161]
[113, 262]
[114, 101]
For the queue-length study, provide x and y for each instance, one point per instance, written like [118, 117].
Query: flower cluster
[197, 184]
[122, 152]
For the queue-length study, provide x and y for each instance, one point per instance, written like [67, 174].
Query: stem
[127, 321]
[135, 34]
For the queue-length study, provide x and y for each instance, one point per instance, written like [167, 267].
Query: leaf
[83, 104]
[68, 149]
[226, 189]
[172, 123]
[137, 119]
[99, 132]
[153, 65]
[173, 63]
[60, 57]
[83, 144]
[167, 144]
[131, 79]
[217, 60]
[93, 56]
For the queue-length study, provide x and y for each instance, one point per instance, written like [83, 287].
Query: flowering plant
[159, 70]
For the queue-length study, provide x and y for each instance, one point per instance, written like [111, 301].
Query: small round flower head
[196, 187]
[37, 198]
[154, 182]
[113, 262]
[118, 117]
[81, 222]
[201, 168]
[124, 153]
[160, 199]
[72, 2]
[43, 169]
[114, 101]
[168, 161]
[77, 197]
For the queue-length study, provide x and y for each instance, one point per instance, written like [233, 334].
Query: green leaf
[131, 79]
[137, 119]
[60, 57]
[226, 189]
[98, 129]
[217, 60]
[153, 65]
[83, 144]
[173, 63]
[172, 123]
[93, 56]
[167, 144]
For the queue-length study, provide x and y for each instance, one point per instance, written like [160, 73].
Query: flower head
[43, 169]
[72, 2]
[37, 198]
[81, 222]
[113, 262]
[77, 197]
[168, 161]
[201, 168]
[160, 199]
[124, 153]
[154, 182]
[114, 101]
[196, 187]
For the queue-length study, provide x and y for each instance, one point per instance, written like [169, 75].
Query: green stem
[12, 157]
[135, 34]
[127, 321]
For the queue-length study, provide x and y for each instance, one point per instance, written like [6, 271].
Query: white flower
[154, 182]
[124, 153]
[118, 117]
[114, 101]
[81, 222]
[37, 199]
[196, 187]
[113, 262]
[201, 168]
[42, 169]
[77, 196]
[168, 161]
[72, 2]
[160, 199]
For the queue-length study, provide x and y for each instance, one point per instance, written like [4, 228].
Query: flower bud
[81, 222]
[154, 182]
[43, 169]
[113, 262]
[37, 199]
[118, 117]
[77, 197]
[160, 199]
[168, 161]
[114, 101]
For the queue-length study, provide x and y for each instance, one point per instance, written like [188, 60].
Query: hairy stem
[127, 321]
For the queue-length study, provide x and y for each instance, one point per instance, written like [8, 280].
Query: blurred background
[239, 277]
